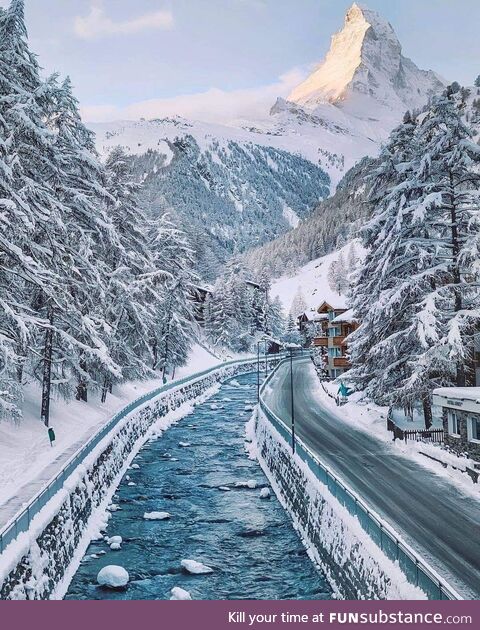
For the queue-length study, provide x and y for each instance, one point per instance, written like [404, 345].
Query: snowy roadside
[28, 462]
[371, 418]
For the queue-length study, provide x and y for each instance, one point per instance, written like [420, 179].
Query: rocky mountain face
[338, 218]
[365, 73]
[234, 188]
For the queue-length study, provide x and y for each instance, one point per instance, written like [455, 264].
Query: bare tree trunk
[82, 392]
[155, 354]
[461, 376]
[47, 370]
[105, 389]
[427, 413]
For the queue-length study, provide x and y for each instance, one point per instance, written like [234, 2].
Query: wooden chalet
[336, 324]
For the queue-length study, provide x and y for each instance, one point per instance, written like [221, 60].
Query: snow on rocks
[131, 483]
[178, 594]
[184, 444]
[224, 488]
[114, 540]
[115, 546]
[265, 493]
[196, 568]
[251, 484]
[214, 406]
[134, 467]
[113, 576]
[156, 516]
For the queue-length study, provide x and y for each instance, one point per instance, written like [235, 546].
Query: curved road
[435, 518]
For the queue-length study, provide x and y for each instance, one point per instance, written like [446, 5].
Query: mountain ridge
[365, 61]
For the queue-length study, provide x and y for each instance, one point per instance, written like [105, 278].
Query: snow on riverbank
[367, 416]
[332, 536]
[25, 451]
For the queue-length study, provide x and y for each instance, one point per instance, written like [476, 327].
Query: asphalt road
[428, 511]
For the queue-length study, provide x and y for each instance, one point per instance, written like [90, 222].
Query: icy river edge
[221, 514]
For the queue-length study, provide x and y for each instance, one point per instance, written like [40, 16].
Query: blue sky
[218, 58]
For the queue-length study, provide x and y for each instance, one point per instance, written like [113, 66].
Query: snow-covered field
[25, 451]
[312, 279]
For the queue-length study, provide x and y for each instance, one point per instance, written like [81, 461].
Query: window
[453, 424]
[331, 315]
[335, 331]
[334, 352]
[473, 429]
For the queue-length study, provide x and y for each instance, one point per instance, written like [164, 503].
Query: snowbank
[334, 539]
[28, 462]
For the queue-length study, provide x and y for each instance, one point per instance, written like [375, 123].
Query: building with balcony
[336, 323]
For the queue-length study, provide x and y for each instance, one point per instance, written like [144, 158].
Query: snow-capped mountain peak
[365, 68]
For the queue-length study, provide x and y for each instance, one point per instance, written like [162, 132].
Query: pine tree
[417, 304]
[449, 172]
[299, 304]
[276, 320]
[173, 324]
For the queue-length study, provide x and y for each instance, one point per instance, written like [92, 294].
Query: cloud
[98, 24]
[214, 105]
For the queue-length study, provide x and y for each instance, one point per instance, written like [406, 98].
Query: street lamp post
[258, 365]
[258, 371]
[292, 400]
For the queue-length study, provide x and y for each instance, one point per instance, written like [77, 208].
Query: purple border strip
[235, 615]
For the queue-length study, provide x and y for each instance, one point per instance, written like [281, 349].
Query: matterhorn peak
[365, 68]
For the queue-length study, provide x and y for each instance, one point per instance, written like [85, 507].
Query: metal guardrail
[416, 570]
[22, 520]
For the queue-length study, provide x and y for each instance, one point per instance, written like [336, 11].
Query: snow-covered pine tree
[338, 276]
[170, 285]
[131, 298]
[418, 305]
[89, 240]
[352, 259]
[33, 242]
[299, 304]
[394, 277]
[276, 320]
[449, 175]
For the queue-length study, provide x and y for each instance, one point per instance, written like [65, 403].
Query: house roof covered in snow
[345, 318]
[333, 305]
[463, 398]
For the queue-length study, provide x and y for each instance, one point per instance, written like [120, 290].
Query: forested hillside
[230, 198]
[333, 222]
[340, 218]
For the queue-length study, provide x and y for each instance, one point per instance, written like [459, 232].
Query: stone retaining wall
[33, 565]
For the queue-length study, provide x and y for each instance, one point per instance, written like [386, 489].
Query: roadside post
[51, 436]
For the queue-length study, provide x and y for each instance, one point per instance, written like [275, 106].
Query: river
[248, 541]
